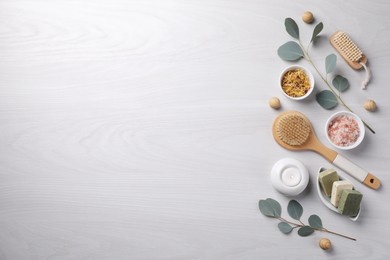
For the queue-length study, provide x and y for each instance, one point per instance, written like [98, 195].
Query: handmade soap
[326, 179]
[349, 203]
[337, 188]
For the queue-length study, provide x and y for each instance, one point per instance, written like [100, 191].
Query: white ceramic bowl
[360, 127]
[307, 72]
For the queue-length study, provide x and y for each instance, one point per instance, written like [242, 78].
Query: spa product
[274, 102]
[289, 176]
[308, 17]
[326, 200]
[337, 189]
[343, 130]
[369, 105]
[351, 53]
[325, 243]
[296, 82]
[327, 178]
[349, 203]
[293, 131]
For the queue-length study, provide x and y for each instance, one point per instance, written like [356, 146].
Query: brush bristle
[348, 47]
[293, 129]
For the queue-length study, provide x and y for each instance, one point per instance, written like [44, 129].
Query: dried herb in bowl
[295, 83]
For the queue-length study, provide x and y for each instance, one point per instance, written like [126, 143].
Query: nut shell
[308, 17]
[325, 244]
[274, 102]
[370, 105]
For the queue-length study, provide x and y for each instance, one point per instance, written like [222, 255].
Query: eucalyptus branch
[271, 208]
[297, 225]
[294, 50]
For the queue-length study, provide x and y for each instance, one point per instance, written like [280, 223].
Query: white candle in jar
[289, 176]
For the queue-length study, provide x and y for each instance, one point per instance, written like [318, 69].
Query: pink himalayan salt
[343, 130]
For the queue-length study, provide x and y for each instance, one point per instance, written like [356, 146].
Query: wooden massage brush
[350, 53]
[292, 130]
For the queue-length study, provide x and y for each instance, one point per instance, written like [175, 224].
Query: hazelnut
[325, 243]
[308, 17]
[370, 105]
[274, 102]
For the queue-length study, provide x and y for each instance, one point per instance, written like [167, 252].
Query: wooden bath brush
[350, 53]
[293, 131]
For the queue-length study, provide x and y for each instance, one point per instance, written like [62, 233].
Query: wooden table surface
[140, 129]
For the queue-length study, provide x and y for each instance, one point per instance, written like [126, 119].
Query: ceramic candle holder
[289, 176]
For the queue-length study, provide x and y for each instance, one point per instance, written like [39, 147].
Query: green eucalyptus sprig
[271, 208]
[294, 50]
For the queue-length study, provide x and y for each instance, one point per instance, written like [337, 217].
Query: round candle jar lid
[289, 176]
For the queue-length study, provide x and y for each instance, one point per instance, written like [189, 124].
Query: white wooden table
[140, 129]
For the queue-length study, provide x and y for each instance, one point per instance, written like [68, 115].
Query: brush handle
[355, 171]
[343, 163]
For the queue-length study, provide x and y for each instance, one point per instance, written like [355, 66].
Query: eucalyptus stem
[317, 229]
[308, 58]
[338, 234]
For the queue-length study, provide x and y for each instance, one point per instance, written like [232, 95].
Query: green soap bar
[327, 178]
[349, 203]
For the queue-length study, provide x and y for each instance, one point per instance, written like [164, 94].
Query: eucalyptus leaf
[315, 221]
[285, 227]
[305, 231]
[326, 99]
[294, 209]
[330, 63]
[270, 208]
[340, 83]
[317, 31]
[292, 27]
[290, 51]
[275, 206]
[266, 209]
